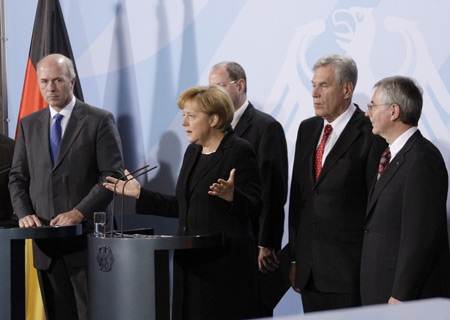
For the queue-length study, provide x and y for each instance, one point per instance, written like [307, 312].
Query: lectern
[128, 277]
[12, 264]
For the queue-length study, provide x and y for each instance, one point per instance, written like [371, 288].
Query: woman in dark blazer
[218, 190]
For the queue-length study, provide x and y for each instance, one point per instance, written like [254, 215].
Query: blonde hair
[210, 100]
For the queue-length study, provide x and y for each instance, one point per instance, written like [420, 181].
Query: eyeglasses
[370, 106]
[223, 85]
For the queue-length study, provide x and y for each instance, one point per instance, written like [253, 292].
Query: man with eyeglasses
[335, 163]
[405, 251]
[267, 138]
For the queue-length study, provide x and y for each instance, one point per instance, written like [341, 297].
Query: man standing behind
[335, 158]
[405, 251]
[62, 154]
[266, 136]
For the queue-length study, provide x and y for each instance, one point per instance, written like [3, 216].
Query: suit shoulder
[95, 111]
[35, 115]
[312, 122]
[426, 149]
[263, 117]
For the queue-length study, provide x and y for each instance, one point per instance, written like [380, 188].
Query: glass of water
[99, 223]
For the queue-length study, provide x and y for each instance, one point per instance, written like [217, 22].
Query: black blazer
[326, 217]
[266, 136]
[89, 151]
[217, 283]
[406, 251]
[6, 155]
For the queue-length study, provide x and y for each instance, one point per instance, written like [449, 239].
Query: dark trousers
[64, 291]
[314, 300]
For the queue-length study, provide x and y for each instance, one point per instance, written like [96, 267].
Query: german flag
[49, 36]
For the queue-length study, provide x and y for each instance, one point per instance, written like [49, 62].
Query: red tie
[319, 151]
[384, 162]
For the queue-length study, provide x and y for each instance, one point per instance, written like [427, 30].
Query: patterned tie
[55, 136]
[319, 151]
[384, 162]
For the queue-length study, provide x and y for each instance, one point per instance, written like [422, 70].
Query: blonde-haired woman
[218, 190]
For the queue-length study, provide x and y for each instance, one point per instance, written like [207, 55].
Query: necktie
[55, 136]
[319, 151]
[384, 162]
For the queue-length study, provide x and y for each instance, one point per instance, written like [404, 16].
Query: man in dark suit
[6, 155]
[330, 182]
[266, 136]
[60, 183]
[405, 251]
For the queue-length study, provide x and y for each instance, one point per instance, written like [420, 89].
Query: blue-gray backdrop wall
[135, 57]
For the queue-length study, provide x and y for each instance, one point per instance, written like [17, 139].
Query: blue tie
[55, 136]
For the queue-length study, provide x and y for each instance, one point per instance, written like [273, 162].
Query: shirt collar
[400, 142]
[340, 122]
[66, 111]
[238, 114]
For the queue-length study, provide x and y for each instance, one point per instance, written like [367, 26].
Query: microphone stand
[123, 196]
[114, 196]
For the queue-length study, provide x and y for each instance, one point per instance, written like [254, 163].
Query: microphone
[114, 195]
[123, 196]
[8, 168]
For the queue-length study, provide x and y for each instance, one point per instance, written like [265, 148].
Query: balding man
[62, 155]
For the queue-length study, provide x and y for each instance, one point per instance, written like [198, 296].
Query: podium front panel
[122, 274]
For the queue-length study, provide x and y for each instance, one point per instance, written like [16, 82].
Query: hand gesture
[224, 189]
[132, 188]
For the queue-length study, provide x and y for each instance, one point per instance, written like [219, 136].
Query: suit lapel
[73, 128]
[390, 172]
[43, 131]
[314, 141]
[245, 120]
[345, 140]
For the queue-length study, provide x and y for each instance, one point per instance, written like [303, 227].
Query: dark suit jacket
[89, 151]
[326, 217]
[206, 280]
[6, 155]
[406, 251]
[266, 136]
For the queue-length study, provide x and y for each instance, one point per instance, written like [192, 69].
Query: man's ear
[348, 89]
[72, 82]
[240, 84]
[395, 112]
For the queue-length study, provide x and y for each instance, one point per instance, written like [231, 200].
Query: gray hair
[344, 67]
[235, 71]
[406, 93]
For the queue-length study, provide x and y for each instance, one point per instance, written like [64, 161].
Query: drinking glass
[99, 223]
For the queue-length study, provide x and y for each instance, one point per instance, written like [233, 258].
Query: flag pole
[4, 88]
